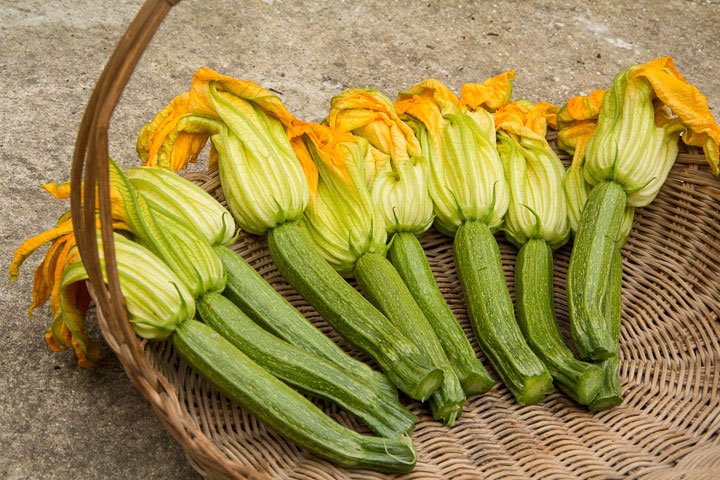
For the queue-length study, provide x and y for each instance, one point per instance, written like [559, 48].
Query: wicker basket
[667, 428]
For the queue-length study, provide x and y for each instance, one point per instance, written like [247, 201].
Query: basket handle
[90, 167]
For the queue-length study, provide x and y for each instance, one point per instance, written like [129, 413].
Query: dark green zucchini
[408, 258]
[266, 307]
[282, 408]
[610, 394]
[587, 277]
[306, 372]
[382, 285]
[350, 313]
[481, 275]
[536, 316]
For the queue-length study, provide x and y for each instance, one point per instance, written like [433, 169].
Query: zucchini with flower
[159, 306]
[267, 191]
[537, 223]
[627, 160]
[396, 175]
[576, 123]
[347, 229]
[470, 197]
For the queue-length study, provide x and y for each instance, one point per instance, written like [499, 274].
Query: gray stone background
[61, 421]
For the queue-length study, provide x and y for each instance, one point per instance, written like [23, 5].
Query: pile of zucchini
[336, 200]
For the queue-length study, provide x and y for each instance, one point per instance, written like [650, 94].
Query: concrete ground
[61, 421]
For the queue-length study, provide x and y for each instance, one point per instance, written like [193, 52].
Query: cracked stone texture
[61, 421]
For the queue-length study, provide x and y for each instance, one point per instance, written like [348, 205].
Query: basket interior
[667, 426]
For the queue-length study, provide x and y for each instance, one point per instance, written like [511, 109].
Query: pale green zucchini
[408, 258]
[350, 313]
[587, 277]
[267, 308]
[304, 371]
[382, 285]
[480, 271]
[283, 409]
[536, 316]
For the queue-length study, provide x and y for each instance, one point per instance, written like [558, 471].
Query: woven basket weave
[667, 428]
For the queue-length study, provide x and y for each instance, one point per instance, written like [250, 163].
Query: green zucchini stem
[356, 319]
[536, 316]
[480, 271]
[382, 285]
[410, 261]
[283, 409]
[590, 263]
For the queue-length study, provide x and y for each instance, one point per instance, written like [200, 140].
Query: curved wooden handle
[90, 168]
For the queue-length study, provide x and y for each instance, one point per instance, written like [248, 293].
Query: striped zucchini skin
[382, 285]
[267, 308]
[481, 275]
[610, 394]
[304, 371]
[408, 258]
[281, 408]
[350, 313]
[589, 269]
[536, 316]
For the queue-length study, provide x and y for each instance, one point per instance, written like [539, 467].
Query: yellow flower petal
[523, 119]
[61, 191]
[687, 103]
[490, 95]
[425, 101]
[33, 243]
[199, 96]
[576, 121]
[327, 144]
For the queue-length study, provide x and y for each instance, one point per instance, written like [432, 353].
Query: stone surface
[61, 421]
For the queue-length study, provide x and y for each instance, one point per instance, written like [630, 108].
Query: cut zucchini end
[605, 403]
[598, 354]
[476, 384]
[589, 384]
[428, 385]
[536, 388]
[449, 413]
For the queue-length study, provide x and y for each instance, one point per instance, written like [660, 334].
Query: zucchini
[304, 371]
[408, 258]
[267, 308]
[610, 394]
[283, 409]
[350, 313]
[536, 316]
[382, 285]
[481, 275]
[587, 277]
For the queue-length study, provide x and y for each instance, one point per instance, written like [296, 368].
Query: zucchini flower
[261, 177]
[397, 177]
[396, 173]
[177, 243]
[576, 122]
[466, 175]
[155, 298]
[471, 195]
[534, 174]
[156, 225]
[627, 160]
[537, 223]
[341, 218]
[164, 188]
